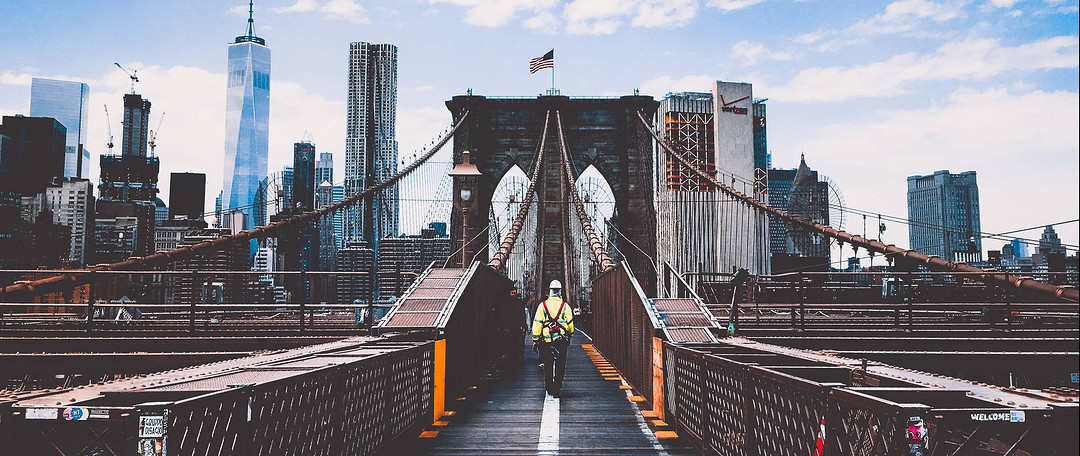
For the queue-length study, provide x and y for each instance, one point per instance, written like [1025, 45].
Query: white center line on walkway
[549, 427]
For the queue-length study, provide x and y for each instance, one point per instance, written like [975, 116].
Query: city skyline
[911, 86]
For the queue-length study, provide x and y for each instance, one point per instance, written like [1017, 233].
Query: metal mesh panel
[786, 418]
[209, 425]
[288, 417]
[688, 402]
[354, 408]
[362, 414]
[726, 417]
[425, 305]
[64, 438]
[861, 431]
[687, 319]
[689, 335]
[431, 292]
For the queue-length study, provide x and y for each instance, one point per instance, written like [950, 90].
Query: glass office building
[67, 102]
[247, 121]
[371, 147]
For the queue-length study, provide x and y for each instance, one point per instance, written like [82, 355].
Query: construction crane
[108, 124]
[153, 134]
[131, 74]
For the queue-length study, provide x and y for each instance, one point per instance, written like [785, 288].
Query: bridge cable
[69, 280]
[600, 255]
[1066, 292]
[499, 258]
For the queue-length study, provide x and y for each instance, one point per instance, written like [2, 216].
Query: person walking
[552, 329]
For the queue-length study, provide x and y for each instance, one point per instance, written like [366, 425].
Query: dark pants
[553, 368]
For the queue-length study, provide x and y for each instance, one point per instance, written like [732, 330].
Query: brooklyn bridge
[930, 356]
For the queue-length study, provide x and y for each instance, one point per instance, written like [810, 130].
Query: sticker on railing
[1012, 416]
[918, 437]
[76, 414]
[42, 413]
[151, 426]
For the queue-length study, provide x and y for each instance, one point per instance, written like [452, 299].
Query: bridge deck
[509, 413]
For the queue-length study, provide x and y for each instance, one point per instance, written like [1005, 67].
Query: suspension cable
[69, 280]
[1066, 292]
[507, 244]
[600, 255]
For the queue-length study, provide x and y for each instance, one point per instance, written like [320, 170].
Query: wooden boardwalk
[508, 413]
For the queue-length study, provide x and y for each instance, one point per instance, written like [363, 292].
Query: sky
[870, 91]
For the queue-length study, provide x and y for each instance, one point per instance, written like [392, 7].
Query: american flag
[539, 63]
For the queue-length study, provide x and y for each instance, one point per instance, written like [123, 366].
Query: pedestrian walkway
[508, 413]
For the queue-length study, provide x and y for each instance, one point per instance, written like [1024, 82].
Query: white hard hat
[555, 284]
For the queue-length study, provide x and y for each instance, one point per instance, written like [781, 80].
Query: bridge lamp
[466, 177]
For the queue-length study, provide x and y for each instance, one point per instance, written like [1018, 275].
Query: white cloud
[543, 21]
[593, 17]
[10, 78]
[750, 53]
[496, 13]
[1004, 3]
[347, 10]
[1019, 144]
[732, 5]
[663, 13]
[301, 6]
[899, 16]
[344, 10]
[580, 17]
[965, 60]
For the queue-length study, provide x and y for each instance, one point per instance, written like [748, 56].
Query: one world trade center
[247, 120]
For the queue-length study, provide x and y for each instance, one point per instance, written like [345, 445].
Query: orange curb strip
[429, 434]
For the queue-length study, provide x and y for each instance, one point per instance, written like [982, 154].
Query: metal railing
[731, 400]
[373, 392]
[624, 327]
[245, 304]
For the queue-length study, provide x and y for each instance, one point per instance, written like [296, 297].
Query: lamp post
[466, 176]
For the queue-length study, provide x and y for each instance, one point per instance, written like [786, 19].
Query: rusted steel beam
[507, 244]
[600, 255]
[61, 282]
[1066, 292]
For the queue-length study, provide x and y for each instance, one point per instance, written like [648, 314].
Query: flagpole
[553, 74]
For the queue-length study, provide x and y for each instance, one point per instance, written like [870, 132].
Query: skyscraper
[32, 155]
[686, 214]
[72, 204]
[1049, 242]
[67, 102]
[303, 180]
[247, 120]
[324, 169]
[132, 175]
[943, 210]
[187, 195]
[741, 240]
[370, 141]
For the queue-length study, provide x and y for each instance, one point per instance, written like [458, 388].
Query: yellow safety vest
[565, 319]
